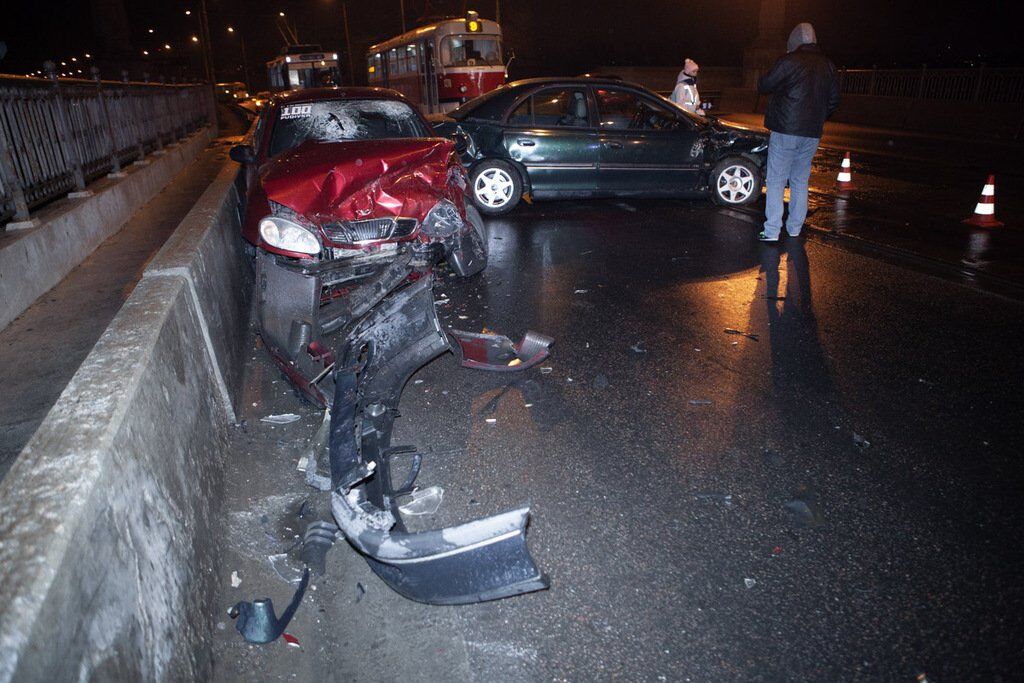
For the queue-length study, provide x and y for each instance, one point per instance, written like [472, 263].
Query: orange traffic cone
[844, 181]
[985, 212]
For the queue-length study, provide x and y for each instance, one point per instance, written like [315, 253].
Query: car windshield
[344, 120]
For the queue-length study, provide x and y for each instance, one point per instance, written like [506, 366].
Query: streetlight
[188, 13]
[145, 53]
[166, 46]
[150, 30]
[88, 56]
[195, 39]
[245, 61]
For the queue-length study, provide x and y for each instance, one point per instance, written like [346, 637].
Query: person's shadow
[799, 369]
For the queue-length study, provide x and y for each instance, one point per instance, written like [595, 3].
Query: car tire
[495, 187]
[735, 182]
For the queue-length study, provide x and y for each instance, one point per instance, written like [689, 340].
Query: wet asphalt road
[838, 499]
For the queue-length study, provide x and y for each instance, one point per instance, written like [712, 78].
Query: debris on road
[638, 348]
[748, 335]
[700, 402]
[496, 352]
[581, 291]
[860, 442]
[362, 591]
[256, 620]
[291, 640]
[749, 583]
[316, 542]
[282, 419]
[424, 501]
[546, 370]
[716, 496]
[236, 581]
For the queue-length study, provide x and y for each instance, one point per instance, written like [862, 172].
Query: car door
[646, 146]
[550, 132]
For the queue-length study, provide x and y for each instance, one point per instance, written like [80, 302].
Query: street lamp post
[245, 61]
[348, 44]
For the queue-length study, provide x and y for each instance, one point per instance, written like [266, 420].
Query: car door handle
[612, 145]
[526, 143]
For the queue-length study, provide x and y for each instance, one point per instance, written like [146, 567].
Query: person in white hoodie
[685, 93]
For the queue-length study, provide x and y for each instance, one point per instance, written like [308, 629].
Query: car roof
[493, 105]
[337, 93]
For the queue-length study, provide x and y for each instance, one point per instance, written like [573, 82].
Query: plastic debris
[282, 419]
[318, 539]
[546, 371]
[236, 580]
[286, 568]
[749, 583]
[422, 501]
[700, 402]
[748, 335]
[581, 291]
[291, 640]
[491, 420]
[715, 496]
[256, 620]
[860, 442]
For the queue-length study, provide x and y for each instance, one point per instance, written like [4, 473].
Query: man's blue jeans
[789, 160]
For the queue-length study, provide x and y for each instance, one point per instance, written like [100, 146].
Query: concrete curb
[107, 517]
[32, 262]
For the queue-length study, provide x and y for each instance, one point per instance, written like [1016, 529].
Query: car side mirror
[243, 154]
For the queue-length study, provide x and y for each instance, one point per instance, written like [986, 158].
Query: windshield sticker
[295, 111]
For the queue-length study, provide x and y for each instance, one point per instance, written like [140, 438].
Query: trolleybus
[302, 66]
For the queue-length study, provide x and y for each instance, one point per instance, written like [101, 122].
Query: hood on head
[338, 181]
[802, 34]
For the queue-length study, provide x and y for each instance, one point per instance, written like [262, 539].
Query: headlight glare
[283, 234]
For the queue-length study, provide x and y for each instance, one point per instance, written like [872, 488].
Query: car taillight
[369, 230]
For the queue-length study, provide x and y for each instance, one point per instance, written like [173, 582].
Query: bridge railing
[58, 134]
[983, 84]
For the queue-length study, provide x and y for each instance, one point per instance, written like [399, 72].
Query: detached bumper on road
[485, 559]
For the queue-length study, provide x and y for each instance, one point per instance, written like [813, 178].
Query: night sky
[549, 36]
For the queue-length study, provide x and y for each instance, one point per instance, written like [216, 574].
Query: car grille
[370, 230]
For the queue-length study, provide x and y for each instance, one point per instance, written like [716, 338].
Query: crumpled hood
[332, 181]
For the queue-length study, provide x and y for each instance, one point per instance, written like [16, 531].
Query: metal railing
[983, 84]
[57, 135]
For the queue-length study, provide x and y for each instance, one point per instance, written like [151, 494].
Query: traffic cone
[985, 212]
[844, 181]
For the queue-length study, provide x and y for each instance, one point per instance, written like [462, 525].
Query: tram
[441, 65]
[302, 66]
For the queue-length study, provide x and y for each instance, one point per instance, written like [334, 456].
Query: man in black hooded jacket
[803, 91]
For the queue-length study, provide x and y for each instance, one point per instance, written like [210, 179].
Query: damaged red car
[350, 203]
[348, 194]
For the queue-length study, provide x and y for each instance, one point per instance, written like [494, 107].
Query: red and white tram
[441, 65]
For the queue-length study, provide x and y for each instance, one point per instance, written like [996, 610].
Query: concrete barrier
[107, 517]
[33, 261]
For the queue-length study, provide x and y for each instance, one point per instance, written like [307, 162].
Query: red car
[348, 195]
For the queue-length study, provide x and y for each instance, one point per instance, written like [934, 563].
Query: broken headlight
[281, 233]
[370, 230]
[443, 220]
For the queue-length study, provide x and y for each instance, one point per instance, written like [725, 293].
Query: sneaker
[791, 234]
[765, 238]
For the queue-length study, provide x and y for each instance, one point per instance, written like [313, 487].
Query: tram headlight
[283, 234]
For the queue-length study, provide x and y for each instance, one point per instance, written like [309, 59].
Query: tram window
[560, 108]
[411, 57]
[392, 61]
[622, 110]
[471, 51]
